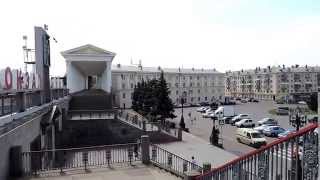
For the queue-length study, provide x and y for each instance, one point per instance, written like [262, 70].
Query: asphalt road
[202, 127]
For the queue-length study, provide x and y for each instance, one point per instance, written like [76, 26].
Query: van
[250, 137]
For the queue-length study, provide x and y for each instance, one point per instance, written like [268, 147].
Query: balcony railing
[171, 162]
[60, 160]
[293, 157]
[12, 102]
[91, 114]
[143, 123]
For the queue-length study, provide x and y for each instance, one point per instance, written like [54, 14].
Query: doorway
[92, 81]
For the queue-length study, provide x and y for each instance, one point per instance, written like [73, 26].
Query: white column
[109, 79]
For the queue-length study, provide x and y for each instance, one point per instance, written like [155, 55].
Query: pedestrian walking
[194, 163]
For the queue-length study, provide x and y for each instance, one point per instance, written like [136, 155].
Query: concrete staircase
[94, 99]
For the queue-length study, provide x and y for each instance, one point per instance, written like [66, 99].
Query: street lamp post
[182, 123]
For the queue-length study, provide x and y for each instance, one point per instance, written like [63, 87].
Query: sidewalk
[137, 172]
[200, 149]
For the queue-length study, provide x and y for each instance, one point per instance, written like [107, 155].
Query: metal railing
[9, 100]
[91, 114]
[294, 157]
[8, 103]
[171, 162]
[141, 122]
[60, 160]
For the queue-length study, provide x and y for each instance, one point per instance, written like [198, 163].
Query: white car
[202, 109]
[245, 123]
[238, 118]
[250, 137]
[262, 127]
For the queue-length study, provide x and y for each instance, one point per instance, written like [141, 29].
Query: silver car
[267, 121]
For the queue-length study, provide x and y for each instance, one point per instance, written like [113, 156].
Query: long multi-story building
[195, 85]
[289, 83]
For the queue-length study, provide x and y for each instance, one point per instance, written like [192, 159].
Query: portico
[88, 67]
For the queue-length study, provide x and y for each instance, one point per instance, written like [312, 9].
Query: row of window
[167, 77]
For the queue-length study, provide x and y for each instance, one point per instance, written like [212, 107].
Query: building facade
[196, 85]
[288, 83]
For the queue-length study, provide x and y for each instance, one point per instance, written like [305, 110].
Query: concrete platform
[201, 150]
[137, 172]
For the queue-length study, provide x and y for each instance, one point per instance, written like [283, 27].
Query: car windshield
[256, 135]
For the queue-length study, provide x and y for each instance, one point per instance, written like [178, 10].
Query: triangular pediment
[88, 50]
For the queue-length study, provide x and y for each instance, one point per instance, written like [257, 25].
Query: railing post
[180, 134]
[20, 101]
[144, 128]
[108, 156]
[145, 151]
[16, 161]
[85, 160]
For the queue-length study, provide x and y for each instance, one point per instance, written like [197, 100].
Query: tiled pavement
[136, 172]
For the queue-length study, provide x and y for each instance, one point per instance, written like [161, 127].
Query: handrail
[263, 148]
[83, 148]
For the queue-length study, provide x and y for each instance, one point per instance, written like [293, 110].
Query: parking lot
[202, 127]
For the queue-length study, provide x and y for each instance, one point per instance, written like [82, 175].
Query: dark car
[204, 104]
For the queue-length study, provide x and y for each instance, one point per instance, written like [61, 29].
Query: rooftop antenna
[28, 54]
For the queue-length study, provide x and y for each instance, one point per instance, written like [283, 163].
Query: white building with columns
[88, 67]
[198, 85]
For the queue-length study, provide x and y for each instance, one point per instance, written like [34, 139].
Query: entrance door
[89, 82]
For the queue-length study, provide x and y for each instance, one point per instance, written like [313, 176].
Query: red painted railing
[247, 164]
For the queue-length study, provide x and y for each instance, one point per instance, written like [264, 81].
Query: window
[199, 91]
[177, 92]
[190, 84]
[131, 95]
[184, 78]
[177, 85]
[123, 95]
[198, 84]
[131, 85]
[191, 99]
[198, 77]
[123, 86]
[199, 98]
[205, 98]
[184, 85]
[190, 77]
[122, 77]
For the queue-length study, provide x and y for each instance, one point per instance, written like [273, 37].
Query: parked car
[262, 127]
[227, 120]
[286, 133]
[273, 131]
[267, 121]
[282, 111]
[204, 104]
[202, 109]
[245, 123]
[302, 102]
[280, 101]
[238, 118]
[238, 99]
[250, 137]
[243, 101]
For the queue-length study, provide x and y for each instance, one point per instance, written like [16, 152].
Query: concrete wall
[22, 136]
[76, 81]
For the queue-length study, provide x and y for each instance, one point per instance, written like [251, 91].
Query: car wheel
[253, 125]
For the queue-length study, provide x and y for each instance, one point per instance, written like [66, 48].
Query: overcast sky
[221, 34]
